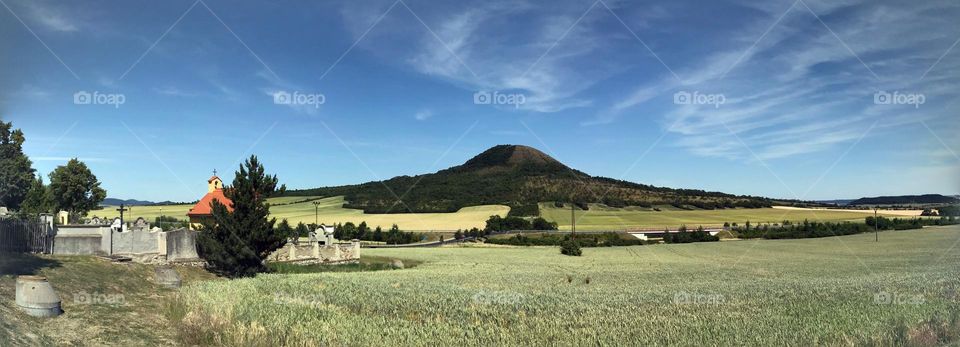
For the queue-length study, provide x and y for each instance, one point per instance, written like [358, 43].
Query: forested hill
[907, 200]
[520, 177]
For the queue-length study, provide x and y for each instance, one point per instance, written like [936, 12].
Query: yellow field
[600, 217]
[332, 211]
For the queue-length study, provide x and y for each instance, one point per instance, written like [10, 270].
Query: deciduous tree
[75, 189]
[16, 171]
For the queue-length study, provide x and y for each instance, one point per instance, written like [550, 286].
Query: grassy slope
[136, 320]
[331, 211]
[600, 217]
[791, 292]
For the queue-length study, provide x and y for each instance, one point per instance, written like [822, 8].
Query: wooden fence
[25, 236]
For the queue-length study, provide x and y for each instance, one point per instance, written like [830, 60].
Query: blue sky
[791, 99]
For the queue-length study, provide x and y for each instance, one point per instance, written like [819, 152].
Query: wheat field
[600, 217]
[845, 290]
[301, 209]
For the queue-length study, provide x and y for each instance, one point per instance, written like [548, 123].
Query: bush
[684, 236]
[570, 247]
[497, 223]
[542, 224]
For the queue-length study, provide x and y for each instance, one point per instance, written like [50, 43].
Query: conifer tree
[236, 243]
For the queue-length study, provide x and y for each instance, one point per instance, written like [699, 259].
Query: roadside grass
[845, 290]
[601, 217]
[331, 211]
[103, 303]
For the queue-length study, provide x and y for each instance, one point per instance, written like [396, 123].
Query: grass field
[297, 209]
[600, 217]
[833, 291]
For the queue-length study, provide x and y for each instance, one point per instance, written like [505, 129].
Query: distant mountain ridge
[520, 177]
[134, 202]
[126, 202]
[838, 202]
[907, 199]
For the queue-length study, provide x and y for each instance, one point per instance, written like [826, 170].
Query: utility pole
[573, 219]
[161, 218]
[316, 213]
[876, 226]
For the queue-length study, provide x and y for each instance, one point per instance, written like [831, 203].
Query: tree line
[73, 187]
[814, 229]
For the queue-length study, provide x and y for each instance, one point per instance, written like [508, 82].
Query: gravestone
[141, 224]
[116, 225]
[168, 277]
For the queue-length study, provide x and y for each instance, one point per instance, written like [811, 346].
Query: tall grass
[832, 291]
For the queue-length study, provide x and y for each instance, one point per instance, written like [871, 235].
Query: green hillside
[519, 177]
[907, 200]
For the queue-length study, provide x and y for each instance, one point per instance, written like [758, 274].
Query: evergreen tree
[302, 230]
[75, 189]
[349, 231]
[16, 171]
[285, 230]
[338, 231]
[236, 243]
[362, 231]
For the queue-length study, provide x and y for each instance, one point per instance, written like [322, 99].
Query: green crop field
[301, 209]
[845, 290]
[600, 217]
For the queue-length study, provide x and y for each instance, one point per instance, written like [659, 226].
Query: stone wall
[313, 252]
[136, 242]
[140, 244]
[77, 245]
[181, 245]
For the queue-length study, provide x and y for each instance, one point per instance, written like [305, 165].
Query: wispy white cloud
[423, 115]
[174, 91]
[499, 46]
[800, 89]
[51, 17]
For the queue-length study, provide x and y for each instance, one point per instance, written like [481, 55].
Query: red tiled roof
[205, 208]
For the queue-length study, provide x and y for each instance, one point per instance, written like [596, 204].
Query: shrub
[542, 224]
[570, 247]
